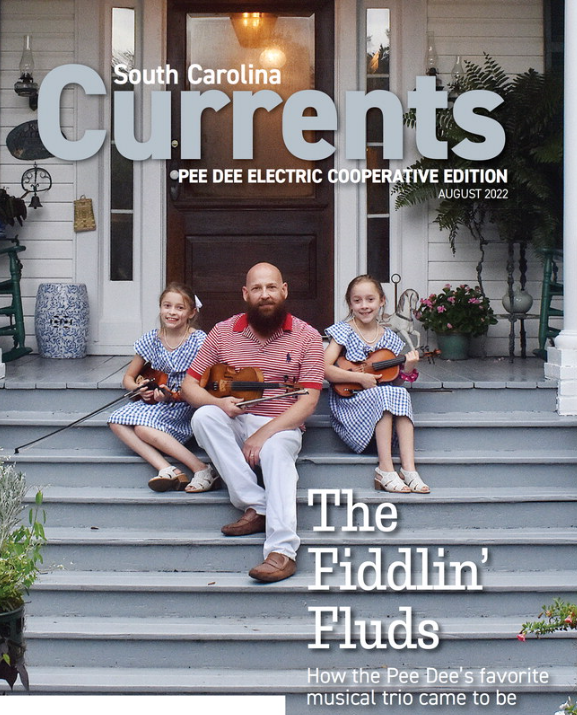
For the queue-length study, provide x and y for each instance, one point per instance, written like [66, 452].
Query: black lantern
[26, 86]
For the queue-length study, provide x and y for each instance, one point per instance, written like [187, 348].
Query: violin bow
[149, 384]
[290, 393]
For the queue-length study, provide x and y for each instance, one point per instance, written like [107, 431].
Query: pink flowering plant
[456, 310]
[559, 616]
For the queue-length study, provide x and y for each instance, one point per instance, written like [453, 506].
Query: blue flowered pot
[61, 320]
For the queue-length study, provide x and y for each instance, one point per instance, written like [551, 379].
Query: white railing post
[562, 359]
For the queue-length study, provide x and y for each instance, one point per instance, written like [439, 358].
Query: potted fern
[532, 117]
[20, 557]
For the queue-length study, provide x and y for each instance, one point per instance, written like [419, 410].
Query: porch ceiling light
[33, 181]
[272, 58]
[26, 86]
[253, 29]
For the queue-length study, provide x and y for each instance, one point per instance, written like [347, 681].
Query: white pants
[223, 437]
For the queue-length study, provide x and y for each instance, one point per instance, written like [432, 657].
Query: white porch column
[562, 359]
[2, 367]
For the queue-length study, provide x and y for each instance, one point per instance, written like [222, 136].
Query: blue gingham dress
[170, 417]
[354, 418]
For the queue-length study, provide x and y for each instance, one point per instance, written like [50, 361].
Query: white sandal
[389, 482]
[167, 479]
[414, 482]
[204, 481]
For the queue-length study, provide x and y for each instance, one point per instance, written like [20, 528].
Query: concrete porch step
[456, 468]
[432, 429]
[532, 699]
[493, 393]
[219, 642]
[208, 550]
[216, 593]
[465, 507]
[222, 642]
[242, 628]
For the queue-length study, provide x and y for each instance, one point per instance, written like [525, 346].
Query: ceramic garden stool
[61, 320]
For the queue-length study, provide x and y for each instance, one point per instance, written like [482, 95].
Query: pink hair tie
[411, 377]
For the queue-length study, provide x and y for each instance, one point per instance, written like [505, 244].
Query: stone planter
[453, 346]
[61, 320]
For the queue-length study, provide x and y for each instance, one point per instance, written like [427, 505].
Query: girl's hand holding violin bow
[152, 383]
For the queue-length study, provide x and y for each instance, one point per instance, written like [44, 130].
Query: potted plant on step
[20, 556]
[455, 315]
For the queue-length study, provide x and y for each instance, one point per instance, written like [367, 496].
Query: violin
[154, 380]
[248, 383]
[383, 363]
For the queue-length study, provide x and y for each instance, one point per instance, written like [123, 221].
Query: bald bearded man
[268, 433]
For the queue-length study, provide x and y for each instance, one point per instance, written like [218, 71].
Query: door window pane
[241, 51]
[121, 169]
[377, 53]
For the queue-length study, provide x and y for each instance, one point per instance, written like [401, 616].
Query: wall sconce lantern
[26, 86]
[34, 181]
[457, 75]
[253, 29]
[432, 61]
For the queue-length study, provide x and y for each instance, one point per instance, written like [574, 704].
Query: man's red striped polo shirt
[294, 352]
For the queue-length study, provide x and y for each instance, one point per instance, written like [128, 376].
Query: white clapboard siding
[512, 33]
[47, 233]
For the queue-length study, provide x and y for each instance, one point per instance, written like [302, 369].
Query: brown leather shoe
[249, 523]
[274, 568]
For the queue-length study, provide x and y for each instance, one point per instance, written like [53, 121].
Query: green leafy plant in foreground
[20, 544]
[20, 559]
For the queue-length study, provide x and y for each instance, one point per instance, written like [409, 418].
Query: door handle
[174, 188]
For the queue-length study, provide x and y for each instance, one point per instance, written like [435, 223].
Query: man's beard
[266, 324]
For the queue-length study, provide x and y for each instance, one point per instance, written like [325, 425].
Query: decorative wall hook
[34, 181]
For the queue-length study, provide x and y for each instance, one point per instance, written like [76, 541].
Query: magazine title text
[425, 100]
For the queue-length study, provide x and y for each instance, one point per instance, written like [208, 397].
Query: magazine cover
[287, 376]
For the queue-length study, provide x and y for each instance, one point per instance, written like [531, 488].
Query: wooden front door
[218, 230]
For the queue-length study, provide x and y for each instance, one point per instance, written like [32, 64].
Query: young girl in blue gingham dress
[373, 409]
[159, 422]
